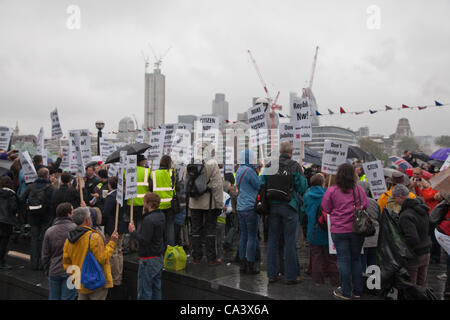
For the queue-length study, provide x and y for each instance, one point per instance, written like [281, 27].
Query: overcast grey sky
[97, 71]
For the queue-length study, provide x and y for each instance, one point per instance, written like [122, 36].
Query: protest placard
[301, 118]
[258, 125]
[181, 147]
[65, 158]
[375, 178]
[41, 147]
[131, 177]
[27, 167]
[157, 138]
[334, 154]
[288, 132]
[207, 130]
[446, 164]
[120, 193]
[5, 137]
[56, 126]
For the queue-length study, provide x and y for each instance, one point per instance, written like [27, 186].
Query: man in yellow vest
[143, 178]
[163, 182]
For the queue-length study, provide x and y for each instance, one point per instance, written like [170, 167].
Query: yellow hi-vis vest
[162, 186]
[142, 175]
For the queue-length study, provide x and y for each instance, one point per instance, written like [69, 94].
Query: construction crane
[146, 60]
[158, 59]
[313, 68]
[260, 77]
[135, 120]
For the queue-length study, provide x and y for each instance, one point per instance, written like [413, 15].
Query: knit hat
[400, 190]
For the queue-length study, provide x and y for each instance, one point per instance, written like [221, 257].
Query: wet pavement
[225, 279]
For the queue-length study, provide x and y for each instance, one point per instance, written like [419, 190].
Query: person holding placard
[339, 202]
[37, 197]
[109, 215]
[143, 175]
[163, 183]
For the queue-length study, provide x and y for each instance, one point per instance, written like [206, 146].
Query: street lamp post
[99, 125]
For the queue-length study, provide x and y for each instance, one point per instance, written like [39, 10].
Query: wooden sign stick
[301, 155]
[117, 216]
[81, 188]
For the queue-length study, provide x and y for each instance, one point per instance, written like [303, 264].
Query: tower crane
[313, 68]
[146, 60]
[158, 59]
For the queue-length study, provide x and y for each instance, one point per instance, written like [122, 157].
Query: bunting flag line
[388, 108]
[438, 104]
[342, 111]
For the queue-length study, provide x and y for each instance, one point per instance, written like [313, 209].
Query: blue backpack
[92, 276]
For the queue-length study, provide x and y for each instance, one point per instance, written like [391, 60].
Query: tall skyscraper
[154, 102]
[220, 107]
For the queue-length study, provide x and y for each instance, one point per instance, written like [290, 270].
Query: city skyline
[95, 72]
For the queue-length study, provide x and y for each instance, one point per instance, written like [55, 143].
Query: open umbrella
[400, 162]
[441, 154]
[421, 156]
[358, 153]
[131, 149]
[312, 156]
[436, 163]
[389, 171]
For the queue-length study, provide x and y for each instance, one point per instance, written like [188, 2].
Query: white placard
[81, 164]
[446, 164]
[207, 130]
[131, 177]
[157, 138]
[229, 159]
[301, 118]
[375, 178]
[106, 148]
[331, 246]
[288, 133]
[28, 168]
[120, 180]
[41, 147]
[258, 125]
[65, 164]
[140, 137]
[168, 136]
[181, 147]
[5, 137]
[56, 126]
[113, 169]
[334, 154]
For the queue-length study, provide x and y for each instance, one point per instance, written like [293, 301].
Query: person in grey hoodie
[52, 253]
[414, 222]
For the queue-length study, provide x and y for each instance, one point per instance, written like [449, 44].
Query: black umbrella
[312, 156]
[358, 153]
[421, 156]
[131, 149]
[436, 163]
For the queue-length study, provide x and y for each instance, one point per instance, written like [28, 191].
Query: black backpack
[280, 186]
[37, 200]
[196, 184]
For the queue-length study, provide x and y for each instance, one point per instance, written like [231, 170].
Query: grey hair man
[83, 239]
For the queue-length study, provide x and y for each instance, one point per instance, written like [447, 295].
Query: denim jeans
[248, 236]
[149, 279]
[348, 248]
[59, 290]
[283, 218]
[37, 237]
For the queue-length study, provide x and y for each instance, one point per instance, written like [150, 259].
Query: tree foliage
[408, 143]
[373, 147]
[443, 141]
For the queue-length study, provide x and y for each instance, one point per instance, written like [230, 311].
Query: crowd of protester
[66, 223]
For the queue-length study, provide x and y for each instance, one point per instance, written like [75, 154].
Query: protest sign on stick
[56, 126]
[5, 137]
[375, 178]
[28, 168]
[334, 154]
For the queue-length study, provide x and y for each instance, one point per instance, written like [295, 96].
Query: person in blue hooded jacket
[318, 238]
[247, 182]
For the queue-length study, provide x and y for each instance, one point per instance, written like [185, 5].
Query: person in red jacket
[440, 217]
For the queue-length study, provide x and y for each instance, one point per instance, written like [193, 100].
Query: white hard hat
[261, 101]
